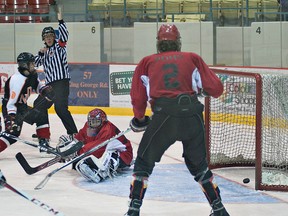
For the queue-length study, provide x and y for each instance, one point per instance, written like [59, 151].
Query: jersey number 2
[170, 77]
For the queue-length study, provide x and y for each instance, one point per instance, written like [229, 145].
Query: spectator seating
[135, 9]
[173, 6]
[153, 9]
[186, 18]
[229, 12]
[24, 10]
[2, 6]
[269, 7]
[191, 6]
[16, 6]
[38, 6]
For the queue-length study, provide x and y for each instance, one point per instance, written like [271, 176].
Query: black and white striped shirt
[54, 60]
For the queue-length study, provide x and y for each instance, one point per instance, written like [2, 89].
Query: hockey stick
[32, 199]
[31, 170]
[44, 148]
[46, 179]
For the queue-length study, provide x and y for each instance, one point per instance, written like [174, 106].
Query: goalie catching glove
[68, 147]
[140, 125]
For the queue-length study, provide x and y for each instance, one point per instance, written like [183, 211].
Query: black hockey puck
[246, 180]
[34, 136]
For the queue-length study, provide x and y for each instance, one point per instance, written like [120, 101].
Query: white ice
[64, 191]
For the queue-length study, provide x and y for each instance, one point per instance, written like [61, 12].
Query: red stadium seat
[21, 8]
[2, 8]
[38, 2]
[39, 9]
[9, 19]
[16, 2]
[30, 19]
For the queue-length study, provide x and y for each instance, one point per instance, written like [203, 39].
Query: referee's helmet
[46, 31]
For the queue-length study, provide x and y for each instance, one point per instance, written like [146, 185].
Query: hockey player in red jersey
[171, 80]
[105, 161]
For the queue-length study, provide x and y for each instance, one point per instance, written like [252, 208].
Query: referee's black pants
[62, 90]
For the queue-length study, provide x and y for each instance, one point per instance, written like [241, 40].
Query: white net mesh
[232, 125]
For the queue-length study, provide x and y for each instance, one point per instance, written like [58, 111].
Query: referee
[53, 57]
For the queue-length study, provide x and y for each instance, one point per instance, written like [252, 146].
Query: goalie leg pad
[96, 170]
[86, 170]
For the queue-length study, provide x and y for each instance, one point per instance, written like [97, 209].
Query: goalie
[104, 162]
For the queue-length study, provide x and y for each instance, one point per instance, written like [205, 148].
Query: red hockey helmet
[169, 33]
[96, 118]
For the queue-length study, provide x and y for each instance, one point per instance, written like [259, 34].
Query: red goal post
[248, 126]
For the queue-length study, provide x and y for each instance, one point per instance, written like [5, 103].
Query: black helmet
[47, 30]
[24, 59]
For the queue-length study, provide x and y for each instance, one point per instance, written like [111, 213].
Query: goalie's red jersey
[107, 131]
[169, 74]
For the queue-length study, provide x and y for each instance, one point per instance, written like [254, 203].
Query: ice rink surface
[171, 189]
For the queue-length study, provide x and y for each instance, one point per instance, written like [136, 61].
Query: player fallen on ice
[106, 161]
[171, 80]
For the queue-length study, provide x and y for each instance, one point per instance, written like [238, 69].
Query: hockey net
[248, 126]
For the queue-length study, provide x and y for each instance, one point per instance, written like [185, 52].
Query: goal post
[248, 126]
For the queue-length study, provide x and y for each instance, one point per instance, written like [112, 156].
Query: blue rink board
[173, 183]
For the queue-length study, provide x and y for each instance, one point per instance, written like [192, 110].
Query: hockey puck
[34, 136]
[246, 180]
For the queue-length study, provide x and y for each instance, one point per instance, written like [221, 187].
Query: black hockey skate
[134, 208]
[44, 143]
[218, 209]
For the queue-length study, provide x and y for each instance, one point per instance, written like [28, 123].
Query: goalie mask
[26, 64]
[168, 38]
[95, 120]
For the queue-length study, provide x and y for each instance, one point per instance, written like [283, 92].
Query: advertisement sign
[6, 70]
[89, 85]
[239, 94]
[120, 78]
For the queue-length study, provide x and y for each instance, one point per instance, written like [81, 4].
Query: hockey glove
[139, 126]
[66, 138]
[68, 149]
[47, 92]
[11, 126]
[2, 180]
